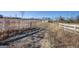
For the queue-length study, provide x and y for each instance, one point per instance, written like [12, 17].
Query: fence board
[72, 27]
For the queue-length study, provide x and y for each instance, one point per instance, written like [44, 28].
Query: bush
[1, 16]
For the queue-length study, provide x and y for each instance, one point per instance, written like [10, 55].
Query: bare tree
[22, 13]
[61, 19]
[77, 19]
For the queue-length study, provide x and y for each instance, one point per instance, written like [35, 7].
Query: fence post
[74, 28]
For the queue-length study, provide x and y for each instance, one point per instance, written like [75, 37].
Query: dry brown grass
[54, 38]
[59, 38]
[64, 39]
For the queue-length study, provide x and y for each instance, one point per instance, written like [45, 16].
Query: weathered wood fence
[69, 27]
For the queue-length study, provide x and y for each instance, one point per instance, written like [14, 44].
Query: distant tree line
[59, 19]
[65, 20]
[68, 20]
[1, 16]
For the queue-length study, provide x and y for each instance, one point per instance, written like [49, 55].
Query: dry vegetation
[58, 38]
[54, 37]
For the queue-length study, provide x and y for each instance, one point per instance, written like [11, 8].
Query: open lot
[62, 39]
[50, 37]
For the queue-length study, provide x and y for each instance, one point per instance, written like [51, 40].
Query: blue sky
[39, 14]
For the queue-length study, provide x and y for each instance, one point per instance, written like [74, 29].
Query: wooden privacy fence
[69, 27]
